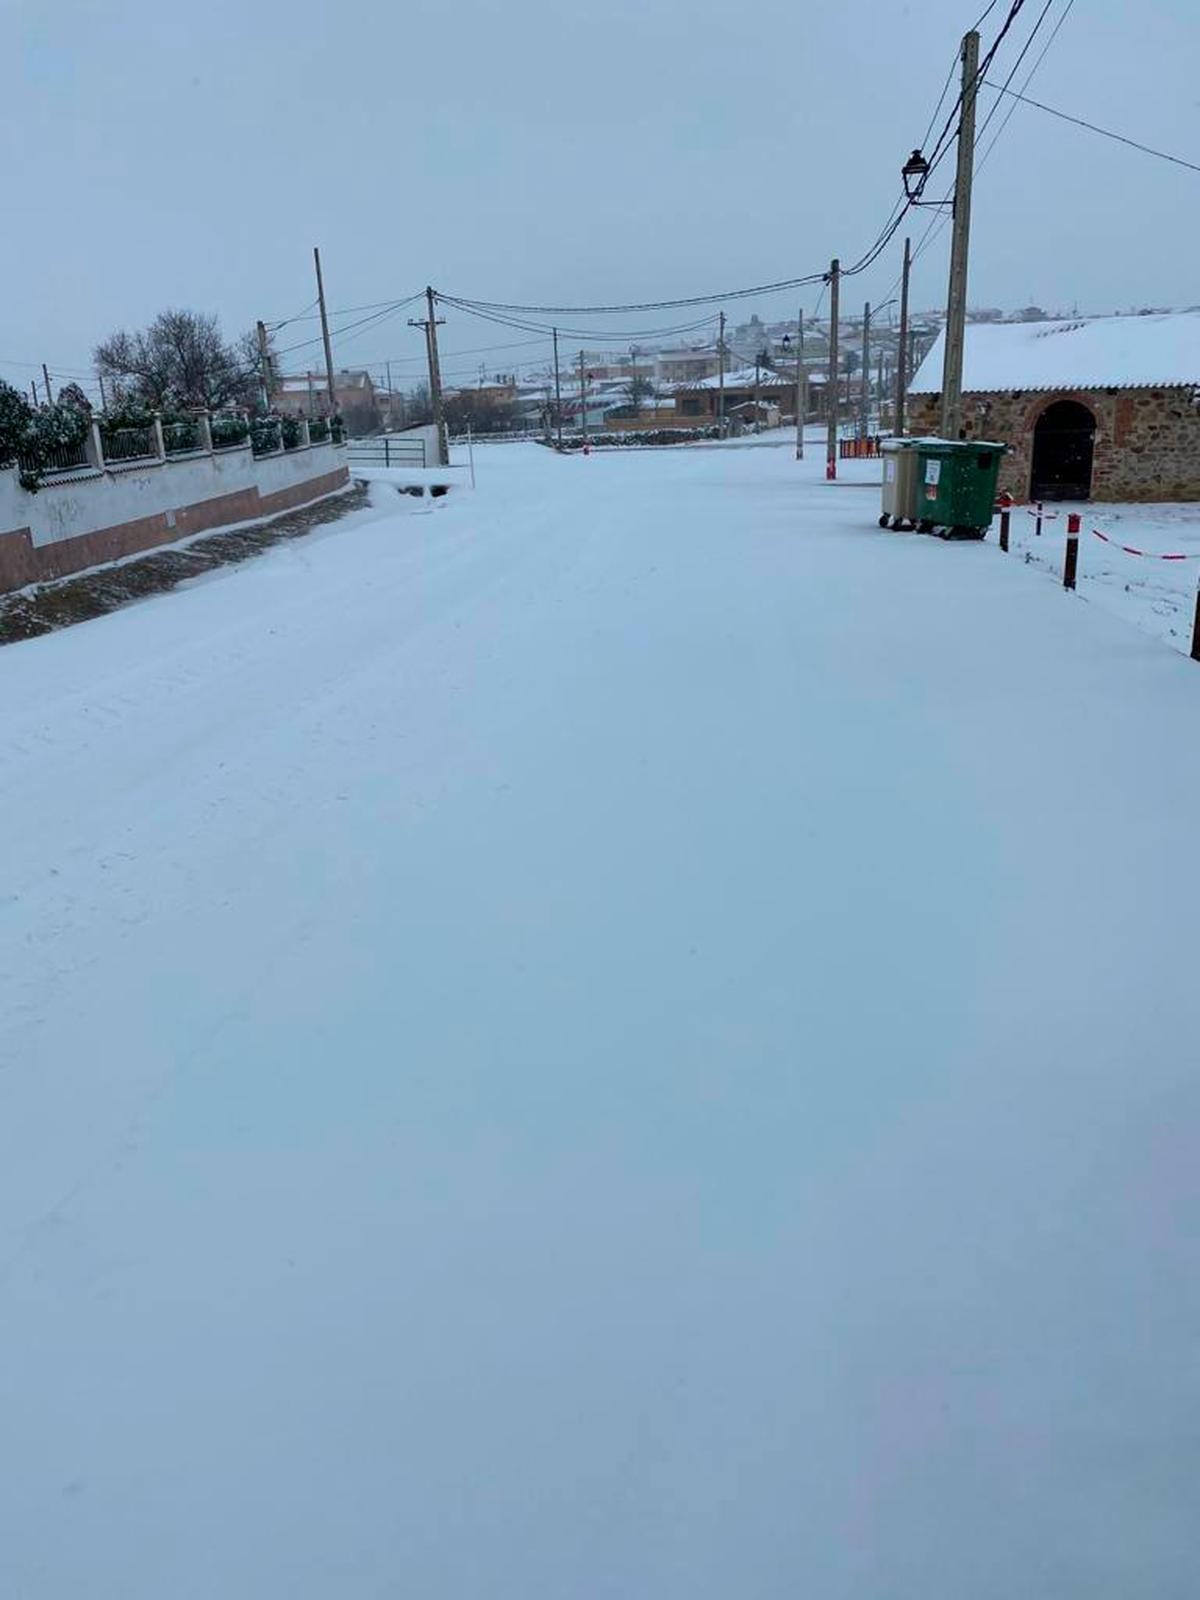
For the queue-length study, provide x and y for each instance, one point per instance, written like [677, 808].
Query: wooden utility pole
[831, 384]
[103, 396]
[865, 396]
[264, 365]
[430, 325]
[902, 343]
[583, 400]
[557, 393]
[46, 377]
[960, 239]
[801, 385]
[721, 377]
[758, 355]
[435, 381]
[879, 384]
[391, 398]
[325, 333]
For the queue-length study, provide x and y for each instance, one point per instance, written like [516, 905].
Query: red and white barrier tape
[1129, 549]
[1153, 555]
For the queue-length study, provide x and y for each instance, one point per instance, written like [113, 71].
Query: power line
[1014, 69]
[1093, 127]
[275, 326]
[377, 319]
[1029, 76]
[489, 313]
[345, 311]
[937, 223]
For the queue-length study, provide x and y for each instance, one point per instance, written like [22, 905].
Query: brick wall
[1147, 440]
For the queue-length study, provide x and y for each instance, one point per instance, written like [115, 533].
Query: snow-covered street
[622, 1035]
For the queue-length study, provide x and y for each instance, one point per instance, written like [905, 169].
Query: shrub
[648, 436]
[125, 414]
[290, 429]
[229, 431]
[318, 430]
[264, 435]
[15, 416]
[33, 439]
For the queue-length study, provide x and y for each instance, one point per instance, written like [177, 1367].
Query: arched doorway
[1063, 441]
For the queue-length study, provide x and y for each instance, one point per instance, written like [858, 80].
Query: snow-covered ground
[1158, 596]
[627, 1034]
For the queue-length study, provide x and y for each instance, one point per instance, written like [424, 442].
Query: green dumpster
[956, 486]
[899, 483]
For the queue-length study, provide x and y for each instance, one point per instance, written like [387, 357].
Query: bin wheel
[924, 526]
[884, 519]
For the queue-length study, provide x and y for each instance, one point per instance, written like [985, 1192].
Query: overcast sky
[551, 151]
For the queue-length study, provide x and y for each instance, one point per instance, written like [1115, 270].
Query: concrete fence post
[204, 431]
[160, 443]
[305, 435]
[94, 445]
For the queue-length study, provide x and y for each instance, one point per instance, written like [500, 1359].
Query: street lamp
[915, 173]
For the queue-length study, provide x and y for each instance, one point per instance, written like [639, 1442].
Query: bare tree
[419, 408]
[637, 390]
[181, 359]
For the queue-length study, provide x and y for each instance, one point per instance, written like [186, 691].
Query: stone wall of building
[1147, 440]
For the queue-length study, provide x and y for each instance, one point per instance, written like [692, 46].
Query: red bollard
[1006, 501]
[1072, 550]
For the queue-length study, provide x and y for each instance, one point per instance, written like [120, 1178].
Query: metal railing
[60, 458]
[129, 444]
[385, 452]
[864, 449]
[180, 436]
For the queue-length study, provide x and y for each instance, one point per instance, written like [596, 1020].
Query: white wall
[87, 503]
[429, 434]
[273, 473]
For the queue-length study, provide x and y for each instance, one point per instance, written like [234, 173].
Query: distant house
[649, 413]
[687, 366]
[698, 403]
[307, 395]
[1102, 408]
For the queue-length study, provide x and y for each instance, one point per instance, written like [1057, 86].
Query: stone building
[1103, 408]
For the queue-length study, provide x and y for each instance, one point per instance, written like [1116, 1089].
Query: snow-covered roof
[742, 378]
[1150, 352]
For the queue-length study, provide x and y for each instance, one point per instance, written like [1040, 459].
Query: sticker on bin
[933, 472]
[889, 470]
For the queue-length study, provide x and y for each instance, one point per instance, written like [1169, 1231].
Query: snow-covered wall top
[1152, 352]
